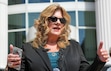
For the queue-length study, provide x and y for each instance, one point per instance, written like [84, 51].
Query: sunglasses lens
[62, 20]
[53, 19]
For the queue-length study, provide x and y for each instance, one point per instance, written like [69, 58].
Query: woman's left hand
[102, 53]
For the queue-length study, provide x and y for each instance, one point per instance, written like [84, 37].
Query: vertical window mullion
[26, 15]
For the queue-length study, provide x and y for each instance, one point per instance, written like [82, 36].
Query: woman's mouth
[56, 28]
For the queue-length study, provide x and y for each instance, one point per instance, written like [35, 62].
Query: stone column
[3, 33]
[103, 22]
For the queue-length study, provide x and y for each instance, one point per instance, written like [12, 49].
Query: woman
[52, 51]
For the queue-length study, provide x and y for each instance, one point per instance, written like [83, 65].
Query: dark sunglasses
[54, 19]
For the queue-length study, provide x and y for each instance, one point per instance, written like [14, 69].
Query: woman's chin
[56, 33]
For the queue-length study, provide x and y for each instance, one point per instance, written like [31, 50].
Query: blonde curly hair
[41, 25]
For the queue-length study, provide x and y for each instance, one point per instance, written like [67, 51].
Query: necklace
[54, 54]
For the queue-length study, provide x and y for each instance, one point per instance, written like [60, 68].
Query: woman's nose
[58, 21]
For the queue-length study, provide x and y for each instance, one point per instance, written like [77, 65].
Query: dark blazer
[71, 59]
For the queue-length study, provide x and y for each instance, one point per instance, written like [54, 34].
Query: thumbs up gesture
[13, 59]
[102, 53]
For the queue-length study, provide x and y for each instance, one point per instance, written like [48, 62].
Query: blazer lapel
[44, 56]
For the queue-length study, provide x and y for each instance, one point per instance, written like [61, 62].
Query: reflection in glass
[86, 18]
[73, 17]
[88, 43]
[62, 0]
[32, 17]
[38, 1]
[16, 38]
[16, 21]
[87, 0]
[12, 2]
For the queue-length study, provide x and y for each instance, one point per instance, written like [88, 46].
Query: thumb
[100, 45]
[11, 48]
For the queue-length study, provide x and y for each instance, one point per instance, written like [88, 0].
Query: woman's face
[56, 23]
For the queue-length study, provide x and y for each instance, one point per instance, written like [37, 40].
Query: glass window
[38, 1]
[11, 2]
[86, 18]
[73, 17]
[32, 17]
[87, 38]
[62, 0]
[16, 38]
[16, 21]
[87, 0]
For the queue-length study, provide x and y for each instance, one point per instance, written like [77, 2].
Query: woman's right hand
[14, 60]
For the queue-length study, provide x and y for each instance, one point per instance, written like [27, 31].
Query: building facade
[91, 19]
